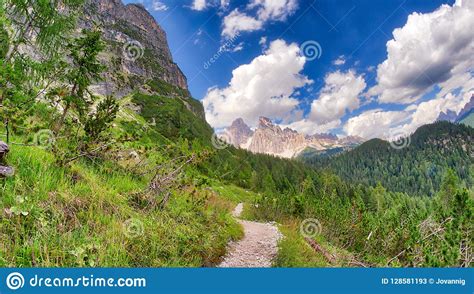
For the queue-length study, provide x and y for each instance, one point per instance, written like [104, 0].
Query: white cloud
[381, 124]
[266, 11]
[309, 127]
[339, 95]
[238, 47]
[264, 87]
[237, 22]
[375, 123]
[274, 9]
[157, 5]
[429, 49]
[263, 42]
[199, 5]
[428, 112]
[432, 49]
[341, 60]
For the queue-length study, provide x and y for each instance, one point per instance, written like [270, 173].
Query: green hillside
[417, 169]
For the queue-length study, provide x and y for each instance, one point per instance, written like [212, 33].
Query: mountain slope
[137, 48]
[467, 118]
[417, 169]
[140, 68]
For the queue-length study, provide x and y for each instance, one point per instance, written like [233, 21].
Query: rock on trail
[258, 248]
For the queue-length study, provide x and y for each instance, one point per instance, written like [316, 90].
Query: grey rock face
[137, 47]
[466, 109]
[269, 138]
[239, 132]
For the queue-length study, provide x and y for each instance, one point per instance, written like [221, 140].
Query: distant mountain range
[465, 116]
[269, 138]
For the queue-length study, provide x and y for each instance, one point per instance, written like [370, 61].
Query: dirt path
[258, 247]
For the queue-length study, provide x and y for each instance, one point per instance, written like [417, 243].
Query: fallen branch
[318, 248]
[88, 153]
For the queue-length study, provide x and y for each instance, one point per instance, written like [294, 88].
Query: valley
[112, 163]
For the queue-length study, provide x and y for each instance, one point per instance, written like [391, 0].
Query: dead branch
[165, 178]
[318, 248]
[88, 153]
[422, 225]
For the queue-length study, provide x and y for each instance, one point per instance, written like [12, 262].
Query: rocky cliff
[239, 133]
[137, 48]
[452, 116]
[269, 138]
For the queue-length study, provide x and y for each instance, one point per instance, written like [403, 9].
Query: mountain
[465, 116]
[140, 68]
[467, 119]
[417, 169]
[239, 133]
[269, 138]
[467, 109]
[449, 115]
[137, 48]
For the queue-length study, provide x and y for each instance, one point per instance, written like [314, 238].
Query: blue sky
[346, 89]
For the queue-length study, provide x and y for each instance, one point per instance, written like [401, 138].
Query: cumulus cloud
[429, 49]
[339, 95]
[264, 87]
[258, 13]
[381, 124]
[237, 22]
[199, 5]
[310, 127]
[274, 9]
[428, 112]
[375, 123]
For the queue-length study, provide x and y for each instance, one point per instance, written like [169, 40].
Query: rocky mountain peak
[324, 136]
[288, 130]
[449, 115]
[264, 122]
[239, 123]
[352, 140]
[467, 107]
[269, 138]
[239, 132]
[452, 116]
